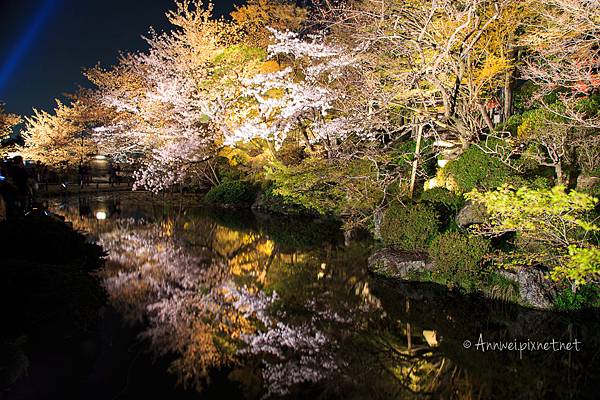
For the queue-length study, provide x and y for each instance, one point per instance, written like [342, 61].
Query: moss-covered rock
[471, 214]
[475, 169]
[535, 290]
[410, 227]
[392, 263]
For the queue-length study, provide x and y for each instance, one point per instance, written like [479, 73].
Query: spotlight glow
[26, 41]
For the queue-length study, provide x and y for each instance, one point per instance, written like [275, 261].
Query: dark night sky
[70, 35]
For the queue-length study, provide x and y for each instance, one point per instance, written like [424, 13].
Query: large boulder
[586, 182]
[534, 288]
[471, 214]
[392, 263]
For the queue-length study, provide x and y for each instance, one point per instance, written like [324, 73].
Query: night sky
[45, 44]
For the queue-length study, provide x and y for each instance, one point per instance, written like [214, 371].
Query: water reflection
[287, 309]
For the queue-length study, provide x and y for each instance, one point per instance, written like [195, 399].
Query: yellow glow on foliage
[269, 66]
[493, 67]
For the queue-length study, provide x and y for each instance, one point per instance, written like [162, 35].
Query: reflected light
[100, 157]
[101, 215]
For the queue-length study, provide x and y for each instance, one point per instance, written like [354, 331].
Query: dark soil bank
[50, 300]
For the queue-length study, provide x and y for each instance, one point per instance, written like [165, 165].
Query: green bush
[410, 228]
[443, 199]
[404, 154]
[227, 172]
[457, 258]
[446, 203]
[475, 169]
[237, 193]
[328, 187]
[498, 287]
[588, 296]
[274, 203]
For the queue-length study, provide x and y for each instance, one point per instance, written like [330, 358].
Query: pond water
[219, 304]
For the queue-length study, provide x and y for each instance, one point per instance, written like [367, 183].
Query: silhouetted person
[118, 174]
[44, 175]
[112, 174]
[81, 173]
[19, 176]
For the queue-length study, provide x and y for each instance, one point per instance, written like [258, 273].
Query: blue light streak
[24, 44]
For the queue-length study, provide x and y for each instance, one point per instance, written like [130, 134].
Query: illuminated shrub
[271, 202]
[476, 169]
[457, 257]
[446, 203]
[228, 192]
[409, 228]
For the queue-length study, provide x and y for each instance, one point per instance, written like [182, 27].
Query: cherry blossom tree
[60, 139]
[172, 102]
[200, 87]
[7, 122]
[307, 96]
[256, 16]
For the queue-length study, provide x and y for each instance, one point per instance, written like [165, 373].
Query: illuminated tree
[551, 226]
[552, 140]
[308, 96]
[439, 62]
[564, 53]
[7, 122]
[256, 16]
[175, 103]
[59, 139]
[563, 61]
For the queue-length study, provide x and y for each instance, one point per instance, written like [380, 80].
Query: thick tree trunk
[573, 169]
[572, 178]
[560, 178]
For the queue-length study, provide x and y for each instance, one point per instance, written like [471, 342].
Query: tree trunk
[413, 175]
[509, 85]
[574, 170]
[486, 117]
[572, 178]
[307, 139]
[560, 179]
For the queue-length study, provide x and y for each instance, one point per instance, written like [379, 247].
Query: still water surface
[254, 306]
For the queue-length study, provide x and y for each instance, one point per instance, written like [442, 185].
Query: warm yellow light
[101, 215]
[100, 157]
